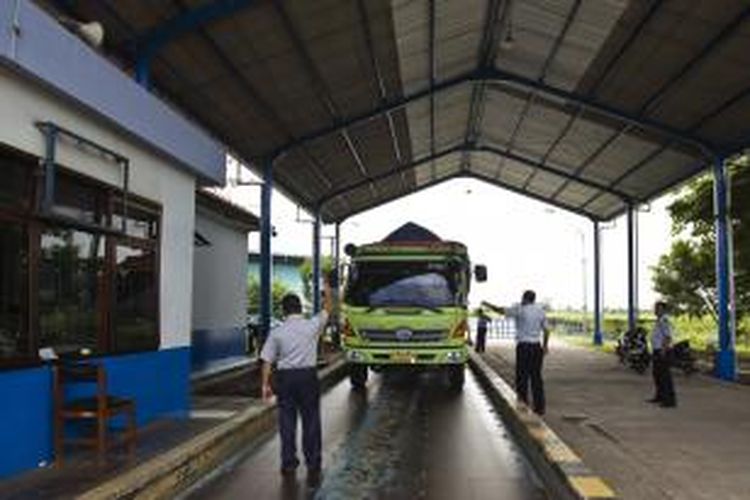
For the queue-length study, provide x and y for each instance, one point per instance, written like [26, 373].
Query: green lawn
[701, 332]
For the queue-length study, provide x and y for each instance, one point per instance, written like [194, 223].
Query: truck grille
[395, 336]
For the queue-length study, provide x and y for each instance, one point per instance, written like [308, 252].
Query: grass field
[701, 332]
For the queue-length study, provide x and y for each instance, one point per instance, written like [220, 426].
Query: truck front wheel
[456, 377]
[358, 375]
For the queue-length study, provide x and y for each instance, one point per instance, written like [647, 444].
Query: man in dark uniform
[482, 323]
[661, 343]
[532, 339]
[293, 347]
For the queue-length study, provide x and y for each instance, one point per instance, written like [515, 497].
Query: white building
[220, 283]
[96, 257]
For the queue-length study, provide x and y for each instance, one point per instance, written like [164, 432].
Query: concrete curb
[173, 472]
[561, 470]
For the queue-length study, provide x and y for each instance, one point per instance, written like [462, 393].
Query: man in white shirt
[532, 338]
[293, 347]
[661, 343]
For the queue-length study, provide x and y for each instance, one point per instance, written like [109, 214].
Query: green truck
[405, 305]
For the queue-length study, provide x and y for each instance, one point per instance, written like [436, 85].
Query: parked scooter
[632, 350]
[681, 356]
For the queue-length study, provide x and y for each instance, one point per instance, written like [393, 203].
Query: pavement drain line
[563, 473]
[181, 468]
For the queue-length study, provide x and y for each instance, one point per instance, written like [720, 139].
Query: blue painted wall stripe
[158, 381]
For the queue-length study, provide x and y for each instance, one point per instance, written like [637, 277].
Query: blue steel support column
[337, 288]
[316, 262]
[143, 70]
[266, 259]
[726, 357]
[632, 269]
[598, 335]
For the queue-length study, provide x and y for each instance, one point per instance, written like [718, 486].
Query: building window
[71, 281]
[14, 341]
[15, 188]
[76, 278]
[135, 305]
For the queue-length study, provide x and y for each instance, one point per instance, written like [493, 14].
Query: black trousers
[298, 393]
[481, 339]
[663, 378]
[529, 358]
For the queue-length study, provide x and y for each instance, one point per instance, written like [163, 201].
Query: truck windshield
[423, 284]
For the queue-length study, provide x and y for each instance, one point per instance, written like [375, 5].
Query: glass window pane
[134, 318]
[13, 339]
[140, 223]
[78, 200]
[71, 265]
[14, 188]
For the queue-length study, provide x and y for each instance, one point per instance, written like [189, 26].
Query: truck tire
[358, 375]
[456, 377]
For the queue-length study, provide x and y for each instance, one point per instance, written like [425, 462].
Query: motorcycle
[681, 356]
[632, 350]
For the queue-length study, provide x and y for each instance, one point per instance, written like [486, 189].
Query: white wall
[22, 103]
[219, 273]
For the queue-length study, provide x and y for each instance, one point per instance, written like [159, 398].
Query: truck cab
[405, 304]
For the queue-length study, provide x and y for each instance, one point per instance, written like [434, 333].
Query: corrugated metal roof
[589, 105]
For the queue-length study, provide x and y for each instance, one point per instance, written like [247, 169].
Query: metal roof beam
[150, 43]
[722, 36]
[407, 167]
[486, 56]
[543, 167]
[517, 190]
[603, 75]
[500, 77]
[432, 69]
[497, 78]
[634, 34]
[468, 149]
[593, 156]
[375, 204]
[321, 88]
[572, 13]
[364, 20]
[471, 175]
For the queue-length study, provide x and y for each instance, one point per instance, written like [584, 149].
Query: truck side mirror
[480, 273]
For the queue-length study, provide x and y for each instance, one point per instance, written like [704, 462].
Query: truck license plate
[402, 357]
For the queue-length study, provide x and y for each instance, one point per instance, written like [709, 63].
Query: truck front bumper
[403, 355]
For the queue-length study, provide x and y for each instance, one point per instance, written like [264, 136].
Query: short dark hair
[290, 304]
[529, 296]
[662, 305]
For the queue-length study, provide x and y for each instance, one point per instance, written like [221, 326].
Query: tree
[686, 275]
[305, 271]
[278, 290]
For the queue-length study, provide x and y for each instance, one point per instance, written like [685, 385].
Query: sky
[524, 243]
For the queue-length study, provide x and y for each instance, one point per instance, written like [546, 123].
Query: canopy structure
[592, 106]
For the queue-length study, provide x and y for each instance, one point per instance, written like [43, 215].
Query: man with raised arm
[532, 338]
[293, 348]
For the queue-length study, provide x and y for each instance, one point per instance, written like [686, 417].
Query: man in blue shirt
[293, 347]
[532, 339]
[661, 343]
[483, 322]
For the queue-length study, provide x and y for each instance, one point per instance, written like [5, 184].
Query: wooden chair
[96, 409]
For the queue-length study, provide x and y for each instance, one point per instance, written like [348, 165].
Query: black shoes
[671, 404]
[654, 400]
[288, 472]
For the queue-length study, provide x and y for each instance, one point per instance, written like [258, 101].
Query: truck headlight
[355, 356]
[454, 356]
